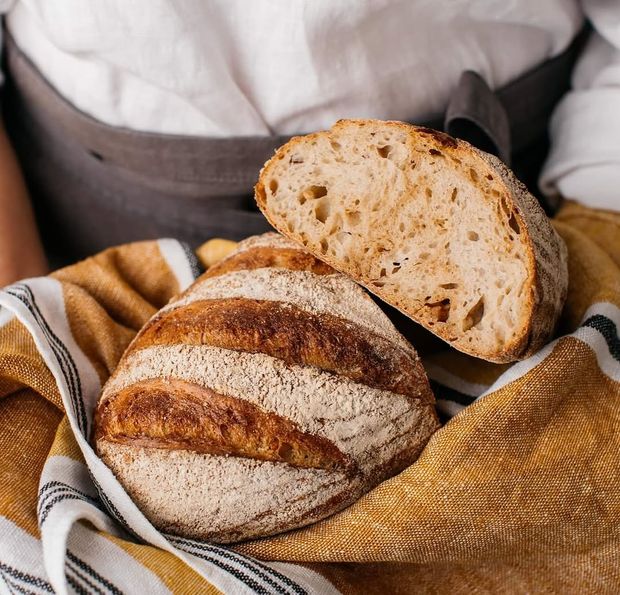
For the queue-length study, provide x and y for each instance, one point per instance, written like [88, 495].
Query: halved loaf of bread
[271, 394]
[433, 226]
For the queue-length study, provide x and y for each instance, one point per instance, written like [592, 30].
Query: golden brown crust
[178, 415]
[548, 262]
[265, 256]
[288, 333]
[204, 464]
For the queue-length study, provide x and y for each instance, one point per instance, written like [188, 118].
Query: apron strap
[95, 185]
[475, 114]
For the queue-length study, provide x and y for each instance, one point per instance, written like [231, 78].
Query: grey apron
[95, 185]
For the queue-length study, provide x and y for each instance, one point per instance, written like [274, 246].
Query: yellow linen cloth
[518, 492]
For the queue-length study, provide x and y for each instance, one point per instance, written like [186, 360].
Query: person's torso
[232, 67]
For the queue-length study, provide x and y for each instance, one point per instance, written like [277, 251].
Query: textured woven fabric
[519, 491]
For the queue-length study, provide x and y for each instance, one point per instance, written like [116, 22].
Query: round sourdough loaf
[269, 395]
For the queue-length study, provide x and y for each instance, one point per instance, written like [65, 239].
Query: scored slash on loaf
[271, 394]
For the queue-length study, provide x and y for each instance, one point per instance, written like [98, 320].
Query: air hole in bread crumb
[322, 211]
[412, 164]
[224, 430]
[449, 285]
[313, 192]
[475, 314]
[285, 451]
[453, 195]
[424, 255]
[384, 151]
[473, 236]
[382, 273]
[514, 224]
[324, 246]
[273, 185]
[436, 152]
[296, 159]
[489, 177]
[401, 227]
[440, 310]
[353, 218]
[378, 283]
[396, 269]
[473, 174]
[428, 192]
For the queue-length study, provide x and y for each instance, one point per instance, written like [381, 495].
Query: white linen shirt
[257, 67]
[584, 162]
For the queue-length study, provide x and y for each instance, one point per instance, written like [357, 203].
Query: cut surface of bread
[430, 224]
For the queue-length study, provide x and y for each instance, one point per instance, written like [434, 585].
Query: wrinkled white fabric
[239, 67]
[584, 162]
[233, 67]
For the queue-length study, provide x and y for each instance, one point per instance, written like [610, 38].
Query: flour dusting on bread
[300, 361]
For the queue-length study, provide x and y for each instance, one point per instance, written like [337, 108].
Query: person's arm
[584, 162]
[21, 252]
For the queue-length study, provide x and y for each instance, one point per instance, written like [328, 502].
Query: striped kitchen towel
[518, 492]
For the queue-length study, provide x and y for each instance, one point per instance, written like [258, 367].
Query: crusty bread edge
[549, 253]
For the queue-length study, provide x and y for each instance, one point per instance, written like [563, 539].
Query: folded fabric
[518, 492]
